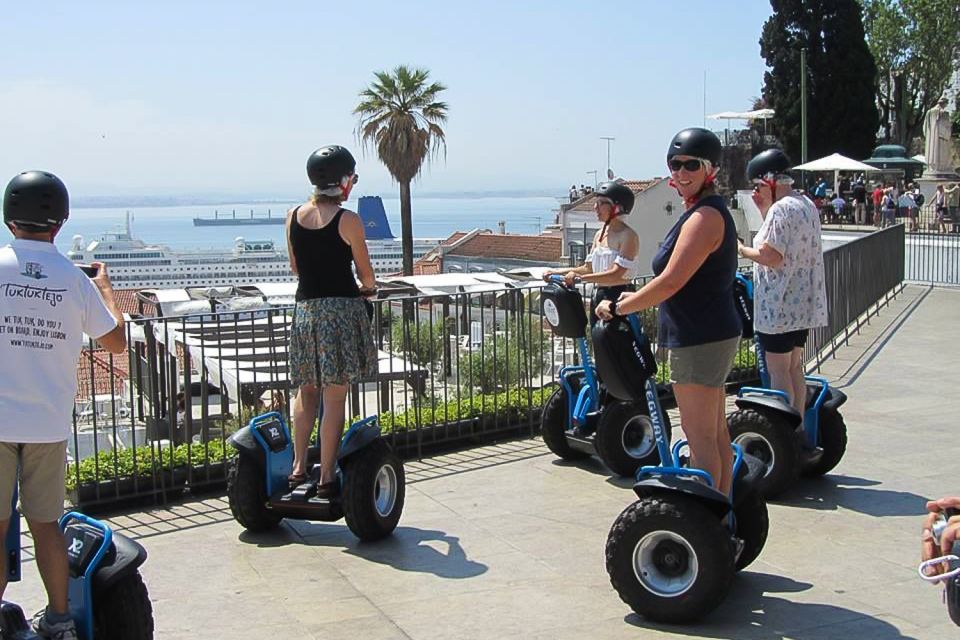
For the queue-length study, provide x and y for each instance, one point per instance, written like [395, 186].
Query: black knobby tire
[625, 439]
[373, 491]
[770, 438]
[123, 612]
[659, 518]
[753, 523]
[833, 441]
[553, 426]
[247, 495]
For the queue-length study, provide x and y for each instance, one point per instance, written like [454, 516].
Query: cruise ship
[135, 264]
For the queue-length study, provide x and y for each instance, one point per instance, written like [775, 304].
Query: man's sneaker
[64, 630]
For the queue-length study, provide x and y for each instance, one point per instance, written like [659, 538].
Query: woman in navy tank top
[331, 344]
[693, 285]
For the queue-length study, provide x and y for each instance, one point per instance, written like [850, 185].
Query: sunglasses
[603, 203]
[692, 164]
[352, 179]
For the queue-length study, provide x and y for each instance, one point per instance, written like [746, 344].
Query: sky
[214, 97]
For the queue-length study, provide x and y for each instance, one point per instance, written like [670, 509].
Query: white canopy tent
[757, 114]
[836, 163]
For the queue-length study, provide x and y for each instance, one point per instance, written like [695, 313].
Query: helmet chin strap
[711, 179]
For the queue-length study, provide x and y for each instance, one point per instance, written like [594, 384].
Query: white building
[656, 209]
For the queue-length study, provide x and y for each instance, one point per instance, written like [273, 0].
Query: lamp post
[609, 139]
[803, 105]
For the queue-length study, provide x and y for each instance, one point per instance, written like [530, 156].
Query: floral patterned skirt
[331, 342]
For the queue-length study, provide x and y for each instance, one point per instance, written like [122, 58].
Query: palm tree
[400, 117]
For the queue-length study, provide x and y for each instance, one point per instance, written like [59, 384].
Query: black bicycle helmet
[619, 193]
[36, 199]
[697, 143]
[772, 162]
[327, 166]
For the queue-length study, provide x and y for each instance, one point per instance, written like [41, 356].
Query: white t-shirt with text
[46, 305]
[793, 296]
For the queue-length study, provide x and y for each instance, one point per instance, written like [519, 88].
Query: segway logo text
[76, 546]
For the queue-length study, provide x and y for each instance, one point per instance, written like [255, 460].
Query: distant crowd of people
[576, 194]
[881, 203]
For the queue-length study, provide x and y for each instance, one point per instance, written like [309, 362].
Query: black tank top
[324, 261]
[702, 310]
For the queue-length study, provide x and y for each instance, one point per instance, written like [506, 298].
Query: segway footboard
[671, 484]
[768, 400]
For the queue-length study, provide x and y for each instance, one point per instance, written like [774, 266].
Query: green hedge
[142, 461]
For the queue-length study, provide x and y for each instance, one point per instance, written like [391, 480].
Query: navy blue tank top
[324, 261]
[703, 309]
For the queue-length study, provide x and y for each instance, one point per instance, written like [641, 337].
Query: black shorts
[783, 342]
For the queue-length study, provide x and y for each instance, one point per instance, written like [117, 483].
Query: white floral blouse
[794, 295]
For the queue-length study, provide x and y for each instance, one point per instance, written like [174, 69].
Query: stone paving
[504, 541]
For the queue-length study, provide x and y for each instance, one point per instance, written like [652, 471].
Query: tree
[400, 117]
[916, 44]
[841, 77]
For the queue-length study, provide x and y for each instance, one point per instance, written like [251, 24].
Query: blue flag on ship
[374, 217]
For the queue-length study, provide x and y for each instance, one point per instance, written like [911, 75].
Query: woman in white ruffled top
[611, 265]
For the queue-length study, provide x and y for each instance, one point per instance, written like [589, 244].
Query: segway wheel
[123, 612]
[752, 525]
[625, 438]
[833, 441]
[553, 426]
[770, 439]
[669, 559]
[247, 496]
[373, 491]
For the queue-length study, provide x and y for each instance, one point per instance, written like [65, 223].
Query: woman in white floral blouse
[790, 295]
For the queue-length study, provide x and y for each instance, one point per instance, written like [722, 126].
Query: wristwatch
[613, 309]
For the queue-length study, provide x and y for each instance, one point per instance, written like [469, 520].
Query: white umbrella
[836, 163]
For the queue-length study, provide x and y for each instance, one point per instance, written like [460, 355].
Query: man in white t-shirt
[47, 304]
[790, 295]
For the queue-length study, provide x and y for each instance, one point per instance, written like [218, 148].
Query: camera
[952, 589]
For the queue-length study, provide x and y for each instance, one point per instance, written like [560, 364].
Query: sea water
[432, 218]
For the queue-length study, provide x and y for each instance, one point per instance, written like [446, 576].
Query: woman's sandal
[296, 479]
[328, 489]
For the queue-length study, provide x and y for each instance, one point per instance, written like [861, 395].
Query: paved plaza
[504, 541]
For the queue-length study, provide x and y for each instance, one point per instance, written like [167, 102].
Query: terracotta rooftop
[508, 245]
[95, 375]
[585, 204]
[129, 303]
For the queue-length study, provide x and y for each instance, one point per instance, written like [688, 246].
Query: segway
[672, 554]
[579, 419]
[370, 473]
[107, 597]
[766, 425]
[951, 578]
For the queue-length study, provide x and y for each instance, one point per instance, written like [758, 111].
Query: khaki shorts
[705, 364]
[41, 479]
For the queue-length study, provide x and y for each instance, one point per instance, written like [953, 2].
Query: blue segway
[370, 473]
[766, 425]
[579, 418]
[672, 554]
[108, 599]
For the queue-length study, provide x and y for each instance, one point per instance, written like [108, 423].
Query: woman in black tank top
[331, 343]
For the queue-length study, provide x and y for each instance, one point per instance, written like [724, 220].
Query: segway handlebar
[561, 280]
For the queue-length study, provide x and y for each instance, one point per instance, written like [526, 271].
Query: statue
[936, 131]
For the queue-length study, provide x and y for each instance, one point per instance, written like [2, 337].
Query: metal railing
[860, 276]
[454, 368]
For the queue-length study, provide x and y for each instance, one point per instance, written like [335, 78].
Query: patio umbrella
[836, 163]
[757, 114]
